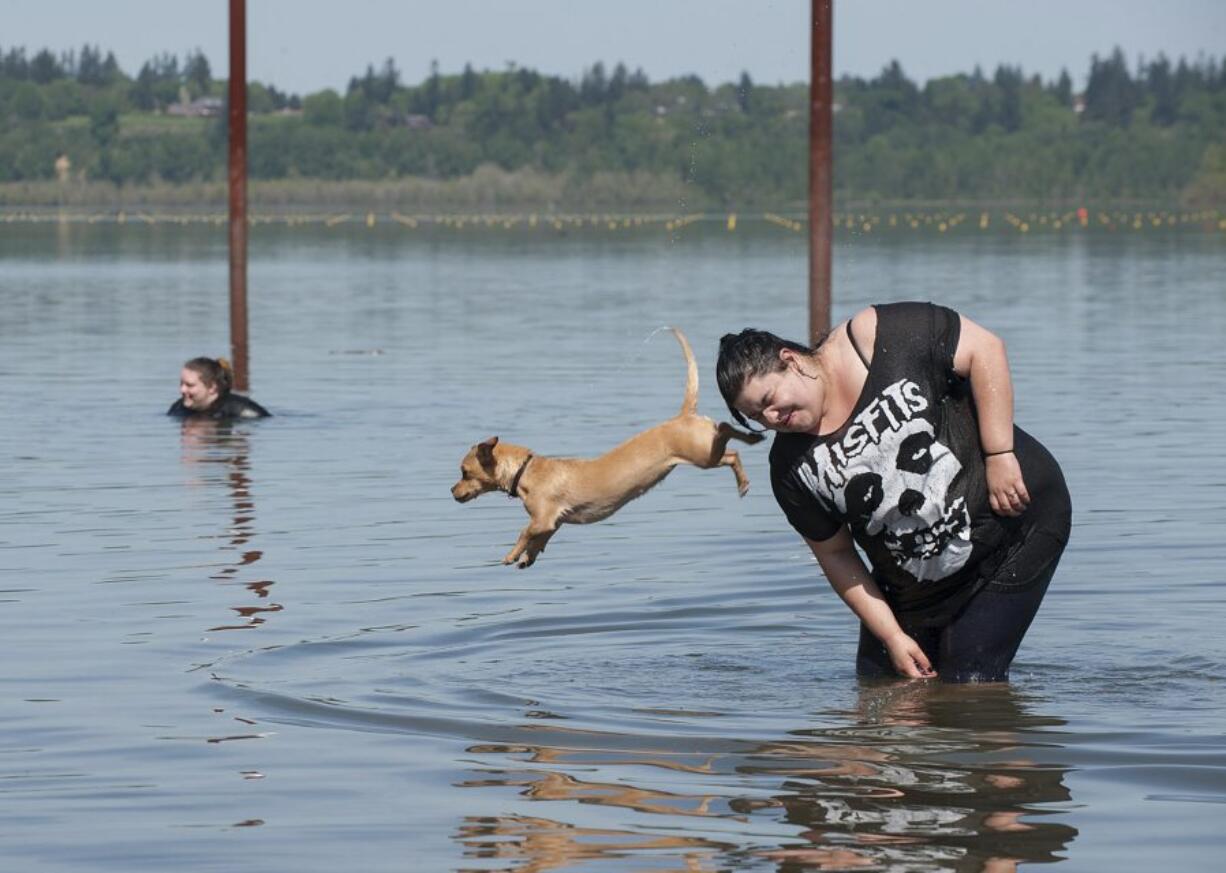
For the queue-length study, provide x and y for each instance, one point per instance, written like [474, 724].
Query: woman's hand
[907, 657]
[1007, 492]
[850, 578]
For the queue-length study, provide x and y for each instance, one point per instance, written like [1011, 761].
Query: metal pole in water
[821, 174]
[238, 193]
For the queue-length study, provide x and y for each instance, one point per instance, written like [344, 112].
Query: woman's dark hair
[747, 354]
[213, 372]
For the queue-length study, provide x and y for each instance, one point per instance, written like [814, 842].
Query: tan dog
[584, 490]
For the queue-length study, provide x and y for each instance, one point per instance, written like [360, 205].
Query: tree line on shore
[1153, 130]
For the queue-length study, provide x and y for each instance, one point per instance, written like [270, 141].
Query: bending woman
[896, 433]
[204, 392]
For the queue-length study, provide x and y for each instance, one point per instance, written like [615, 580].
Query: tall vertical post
[238, 193]
[821, 169]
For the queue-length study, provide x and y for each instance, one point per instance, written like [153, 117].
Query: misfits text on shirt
[890, 477]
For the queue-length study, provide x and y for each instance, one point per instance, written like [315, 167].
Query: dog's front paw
[742, 488]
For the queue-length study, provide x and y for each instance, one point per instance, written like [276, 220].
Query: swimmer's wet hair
[747, 354]
[214, 372]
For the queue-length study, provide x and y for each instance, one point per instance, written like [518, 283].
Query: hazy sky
[303, 46]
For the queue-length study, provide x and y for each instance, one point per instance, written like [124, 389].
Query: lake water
[284, 647]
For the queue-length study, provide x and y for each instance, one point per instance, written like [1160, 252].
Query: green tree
[744, 93]
[110, 70]
[197, 74]
[323, 109]
[594, 85]
[468, 83]
[90, 69]
[259, 99]
[889, 100]
[359, 109]
[1063, 89]
[27, 102]
[142, 94]
[617, 83]
[104, 122]
[45, 67]
[63, 98]
[15, 65]
[1111, 95]
[1008, 82]
[1161, 85]
[951, 101]
[433, 91]
[1208, 187]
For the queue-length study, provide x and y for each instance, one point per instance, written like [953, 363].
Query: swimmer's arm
[851, 580]
[981, 357]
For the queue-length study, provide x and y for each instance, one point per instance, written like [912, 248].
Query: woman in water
[204, 392]
[896, 434]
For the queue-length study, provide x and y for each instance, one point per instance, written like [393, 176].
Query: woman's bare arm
[851, 580]
[981, 356]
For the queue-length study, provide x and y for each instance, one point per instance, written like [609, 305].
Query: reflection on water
[206, 442]
[929, 774]
[924, 776]
[222, 452]
[533, 845]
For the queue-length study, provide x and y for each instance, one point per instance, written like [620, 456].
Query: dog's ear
[485, 451]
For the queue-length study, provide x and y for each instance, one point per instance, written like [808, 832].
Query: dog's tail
[689, 406]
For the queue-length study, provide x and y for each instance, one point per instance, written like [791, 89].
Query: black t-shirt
[228, 407]
[905, 473]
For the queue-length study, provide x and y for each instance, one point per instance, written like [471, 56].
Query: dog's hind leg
[721, 456]
[733, 460]
[727, 432]
[719, 444]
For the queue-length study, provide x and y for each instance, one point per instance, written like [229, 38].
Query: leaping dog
[559, 491]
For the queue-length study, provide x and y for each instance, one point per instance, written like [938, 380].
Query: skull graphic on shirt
[898, 489]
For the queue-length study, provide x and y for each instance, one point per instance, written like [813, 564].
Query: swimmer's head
[203, 381]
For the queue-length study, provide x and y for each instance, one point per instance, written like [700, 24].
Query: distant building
[63, 167]
[201, 107]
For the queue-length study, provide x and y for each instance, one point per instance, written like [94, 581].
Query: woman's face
[784, 400]
[195, 393]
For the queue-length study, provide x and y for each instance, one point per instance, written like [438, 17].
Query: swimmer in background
[204, 392]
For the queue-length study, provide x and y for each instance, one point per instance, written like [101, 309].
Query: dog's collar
[513, 491]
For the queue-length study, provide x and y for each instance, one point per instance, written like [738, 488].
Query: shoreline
[492, 191]
[949, 219]
[341, 212]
